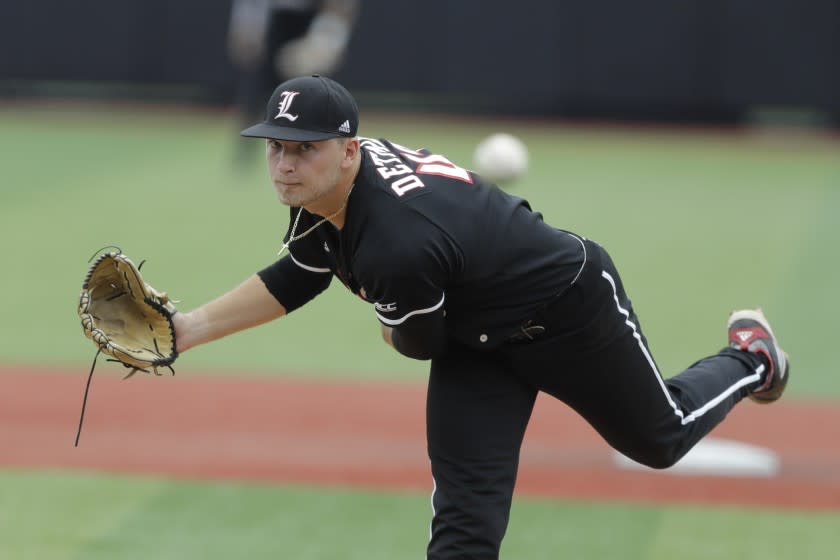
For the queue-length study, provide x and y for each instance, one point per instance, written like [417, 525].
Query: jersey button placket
[482, 338]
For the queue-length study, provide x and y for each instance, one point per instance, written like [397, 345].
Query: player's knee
[660, 461]
[654, 454]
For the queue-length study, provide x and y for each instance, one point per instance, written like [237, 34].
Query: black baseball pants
[593, 357]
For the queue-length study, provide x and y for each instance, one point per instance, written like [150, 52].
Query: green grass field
[54, 515]
[698, 224]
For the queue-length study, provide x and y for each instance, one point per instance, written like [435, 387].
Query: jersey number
[428, 164]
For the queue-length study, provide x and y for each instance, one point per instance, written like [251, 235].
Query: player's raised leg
[602, 367]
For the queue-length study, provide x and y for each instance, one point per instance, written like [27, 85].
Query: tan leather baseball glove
[125, 317]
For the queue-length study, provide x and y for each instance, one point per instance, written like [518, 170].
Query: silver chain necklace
[293, 237]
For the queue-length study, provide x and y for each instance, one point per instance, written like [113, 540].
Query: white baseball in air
[501, 158]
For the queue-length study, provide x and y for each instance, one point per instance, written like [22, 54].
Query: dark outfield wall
[691, 59]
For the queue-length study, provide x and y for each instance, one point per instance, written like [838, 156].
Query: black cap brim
[264, 130]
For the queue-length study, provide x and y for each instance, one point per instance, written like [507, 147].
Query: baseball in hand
[501, 158]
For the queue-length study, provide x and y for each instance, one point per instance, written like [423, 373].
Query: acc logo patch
[385, 307]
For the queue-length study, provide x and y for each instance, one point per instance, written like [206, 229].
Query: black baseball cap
[308, 109]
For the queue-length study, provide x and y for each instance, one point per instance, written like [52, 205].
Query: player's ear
[350, 149]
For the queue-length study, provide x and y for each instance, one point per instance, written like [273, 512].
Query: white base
[716, 457]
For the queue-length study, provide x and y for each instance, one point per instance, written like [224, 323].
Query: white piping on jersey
[582, 264]
[393, 322]
[306, 267]
[434, 513]
[703, 409]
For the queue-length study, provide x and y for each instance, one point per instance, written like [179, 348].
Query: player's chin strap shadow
[90, 377]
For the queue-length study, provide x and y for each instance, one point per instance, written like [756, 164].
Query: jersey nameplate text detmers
[401, 168]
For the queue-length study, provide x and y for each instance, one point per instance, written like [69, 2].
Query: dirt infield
[372, 435]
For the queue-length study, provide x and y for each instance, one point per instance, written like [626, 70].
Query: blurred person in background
[269, 41]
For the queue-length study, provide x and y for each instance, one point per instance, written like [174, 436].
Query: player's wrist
[188, 329]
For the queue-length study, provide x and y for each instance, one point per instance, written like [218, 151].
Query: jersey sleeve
[292, 285]
[408, 295]
[421, 338]
[406, 279]
[303, 273]
[406, 284]
[306, 252]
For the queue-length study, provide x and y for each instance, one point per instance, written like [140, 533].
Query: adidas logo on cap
[345, 127]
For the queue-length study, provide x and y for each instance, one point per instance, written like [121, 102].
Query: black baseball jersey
[433, 245]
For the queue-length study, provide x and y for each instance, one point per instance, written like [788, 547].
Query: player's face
[305, 173]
